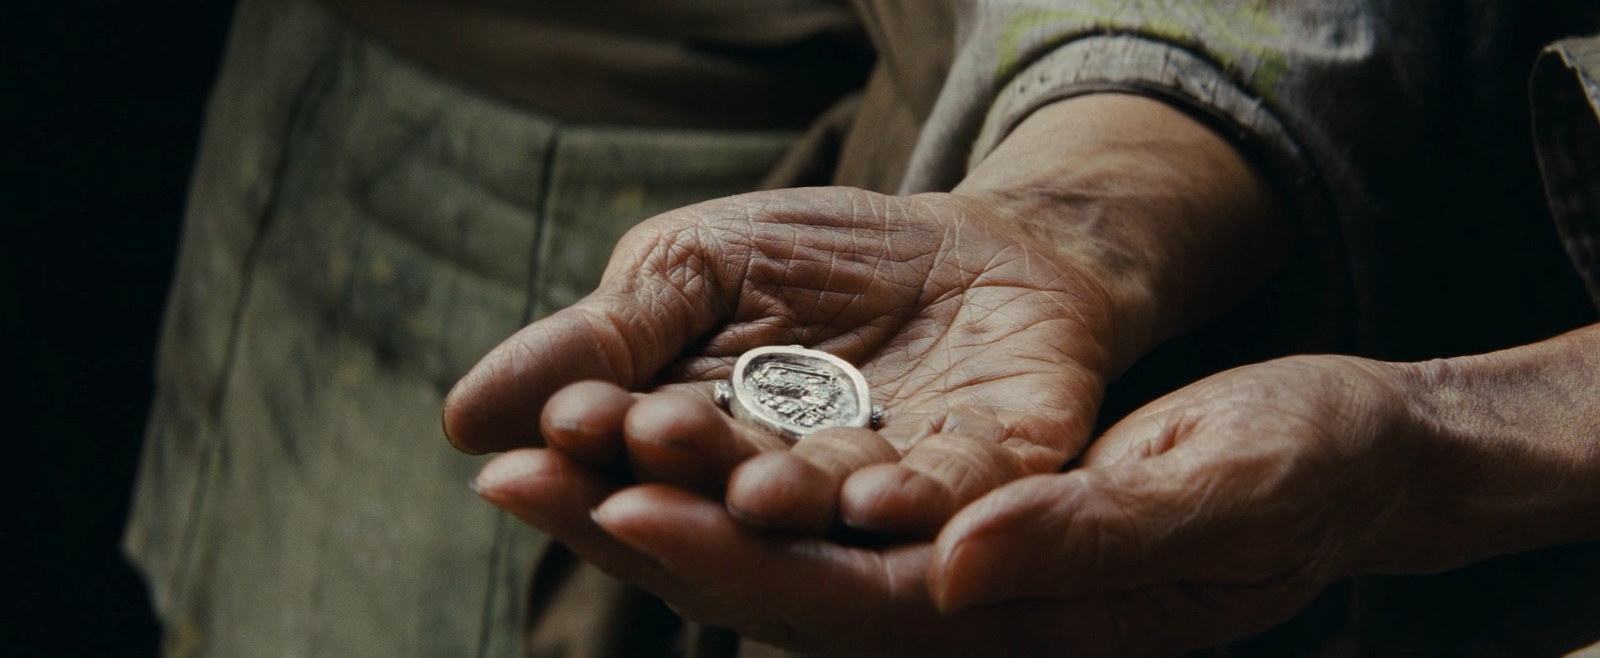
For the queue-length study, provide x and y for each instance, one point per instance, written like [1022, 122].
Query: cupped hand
[1226, 506]
[986, 321]
[802, 593]
[987, 349]
[1206, 516]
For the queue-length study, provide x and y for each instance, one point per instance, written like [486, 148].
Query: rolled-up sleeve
[1566, 111]
[1323, 95]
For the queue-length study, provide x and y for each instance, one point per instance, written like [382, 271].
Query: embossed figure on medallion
[807, 397]
[793, 391]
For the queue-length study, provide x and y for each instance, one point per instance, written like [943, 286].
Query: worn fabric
[718, 64]
[829, 65]
[359, 233]
[1395, 129]
[1566, 112]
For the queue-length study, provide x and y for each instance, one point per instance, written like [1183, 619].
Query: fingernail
[444, 428]
[496, 473]
[752, 520]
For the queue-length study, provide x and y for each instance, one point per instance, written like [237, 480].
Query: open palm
[986, 349]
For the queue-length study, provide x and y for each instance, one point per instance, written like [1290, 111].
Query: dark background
[102, 111]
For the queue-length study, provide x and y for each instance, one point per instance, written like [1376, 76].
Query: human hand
[988, 351]
[1227, 505]
[987, 321]
[1222, 508]
[1206, 516]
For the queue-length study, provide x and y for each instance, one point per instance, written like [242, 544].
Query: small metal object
[792, 391]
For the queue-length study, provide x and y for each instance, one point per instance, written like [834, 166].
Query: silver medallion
[793, 391]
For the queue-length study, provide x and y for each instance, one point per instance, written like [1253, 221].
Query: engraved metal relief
[794, 391]
[808, 397]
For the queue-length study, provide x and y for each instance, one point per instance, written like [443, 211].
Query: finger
[839, 451]
[814, 596]
[1073, 525]
[766, 588]
[915, 496]
[781, 492]
[620, 338]
[798, 490]
[686, 441]
[584, 421]
[1062, 536]
[556, 494]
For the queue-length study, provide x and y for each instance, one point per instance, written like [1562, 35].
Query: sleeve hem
[1134, 64]
[1137, 65]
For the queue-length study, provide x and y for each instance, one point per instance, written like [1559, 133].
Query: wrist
[1163, 217]
[1509, 454]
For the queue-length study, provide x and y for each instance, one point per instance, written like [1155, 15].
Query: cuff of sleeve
[1313, 289]
[1565, 91]
[1133, 64]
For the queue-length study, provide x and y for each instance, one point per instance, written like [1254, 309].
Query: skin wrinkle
[693, 281]
[1020, 295]
[833, 266]
[981, 380]
[980, 471]
[619, 355]
[844, 307]
[1086, 548]
[1120, 506]
[665, 255]
[1171, 435]
[984, 323]
[663, 308]
[1332, 544]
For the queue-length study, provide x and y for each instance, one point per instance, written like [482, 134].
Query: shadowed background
[102, 109]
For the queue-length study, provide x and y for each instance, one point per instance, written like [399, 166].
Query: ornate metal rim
[742, 397]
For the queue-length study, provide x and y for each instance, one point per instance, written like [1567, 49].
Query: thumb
[1061, 536]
